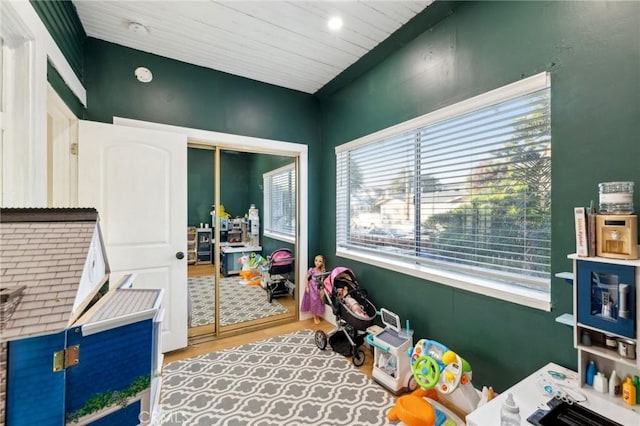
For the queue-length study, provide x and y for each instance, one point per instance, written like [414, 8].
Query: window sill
[280, 237]
[522, 296]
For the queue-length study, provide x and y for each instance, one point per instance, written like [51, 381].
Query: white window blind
[280, 202]
[464, 190]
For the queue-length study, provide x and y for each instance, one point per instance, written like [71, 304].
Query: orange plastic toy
[251, 276]
[413, 410]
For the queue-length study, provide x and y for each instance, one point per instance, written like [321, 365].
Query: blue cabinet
[203, 245]
[605, 331]
[606, 297]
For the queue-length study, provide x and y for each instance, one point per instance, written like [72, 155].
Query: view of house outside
[474, 191]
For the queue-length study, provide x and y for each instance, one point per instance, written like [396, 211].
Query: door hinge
[66, 358]
[74, 148]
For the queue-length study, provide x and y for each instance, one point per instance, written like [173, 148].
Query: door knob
[180, 255]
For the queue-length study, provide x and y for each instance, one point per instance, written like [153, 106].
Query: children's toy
[421, 408]
[391, 365]
[250, 274]
[349, 333]
[279, 267]
[98, 358]
[436, 368]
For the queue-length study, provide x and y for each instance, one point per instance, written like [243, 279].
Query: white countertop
[529, 396]
[239, 249]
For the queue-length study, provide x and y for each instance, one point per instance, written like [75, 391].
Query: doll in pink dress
[312, 300]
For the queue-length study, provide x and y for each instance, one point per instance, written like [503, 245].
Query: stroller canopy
[340, 277]
[281, 257]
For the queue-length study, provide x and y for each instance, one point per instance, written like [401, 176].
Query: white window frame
[520, 295]
[269, 214]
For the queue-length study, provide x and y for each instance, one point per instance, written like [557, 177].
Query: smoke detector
[143, 74]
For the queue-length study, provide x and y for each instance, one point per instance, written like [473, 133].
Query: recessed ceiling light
[335, 23]
[143, 74]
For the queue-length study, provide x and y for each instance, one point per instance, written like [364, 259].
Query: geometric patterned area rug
[285, 380]
[241, 302]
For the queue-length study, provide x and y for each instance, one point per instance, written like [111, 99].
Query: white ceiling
[284, 43]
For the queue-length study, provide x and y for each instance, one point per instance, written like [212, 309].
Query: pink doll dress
[312, 301]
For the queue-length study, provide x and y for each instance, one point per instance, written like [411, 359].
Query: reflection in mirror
[256, 228]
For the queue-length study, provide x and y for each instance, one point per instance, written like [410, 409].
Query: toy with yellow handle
[434, 365]
[442, 375]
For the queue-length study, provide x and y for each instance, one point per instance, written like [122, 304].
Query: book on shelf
[582, 239]
[591, 233]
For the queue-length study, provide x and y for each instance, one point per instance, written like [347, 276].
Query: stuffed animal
[250, 275]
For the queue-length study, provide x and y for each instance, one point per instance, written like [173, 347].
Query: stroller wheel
[358, 357]
[321, 339]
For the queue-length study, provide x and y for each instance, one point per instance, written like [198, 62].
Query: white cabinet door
[137, 180]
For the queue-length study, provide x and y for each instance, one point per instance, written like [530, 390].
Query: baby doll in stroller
[353, 311]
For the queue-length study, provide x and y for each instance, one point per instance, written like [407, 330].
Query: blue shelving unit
[203, 246]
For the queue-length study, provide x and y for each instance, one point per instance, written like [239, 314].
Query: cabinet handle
[180, 255]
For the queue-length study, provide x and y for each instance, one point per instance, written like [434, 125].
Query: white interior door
[137, 180]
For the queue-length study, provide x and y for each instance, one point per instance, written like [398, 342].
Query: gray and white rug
[285, 380]
[239, 302]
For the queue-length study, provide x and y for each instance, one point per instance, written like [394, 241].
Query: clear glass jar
[616, 198]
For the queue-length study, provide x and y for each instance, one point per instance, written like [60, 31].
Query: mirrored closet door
[242, 240]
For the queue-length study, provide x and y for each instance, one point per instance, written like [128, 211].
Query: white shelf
[606, 399]
[608, 354]
[567, 276]
[566, 319]
[239, 249]
[634, 262]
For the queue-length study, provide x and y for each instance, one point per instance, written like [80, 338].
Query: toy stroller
[353, 311]
[279, 273]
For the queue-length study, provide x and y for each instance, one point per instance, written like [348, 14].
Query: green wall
[240, 186]
[187, 95]
[68, 97]
[592, 50]
[62, 22]
[234, 187]
[234, 182]
[200, 185]
[191, 96]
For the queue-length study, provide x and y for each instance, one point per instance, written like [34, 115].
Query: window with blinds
[280, 203]
[463, 192]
